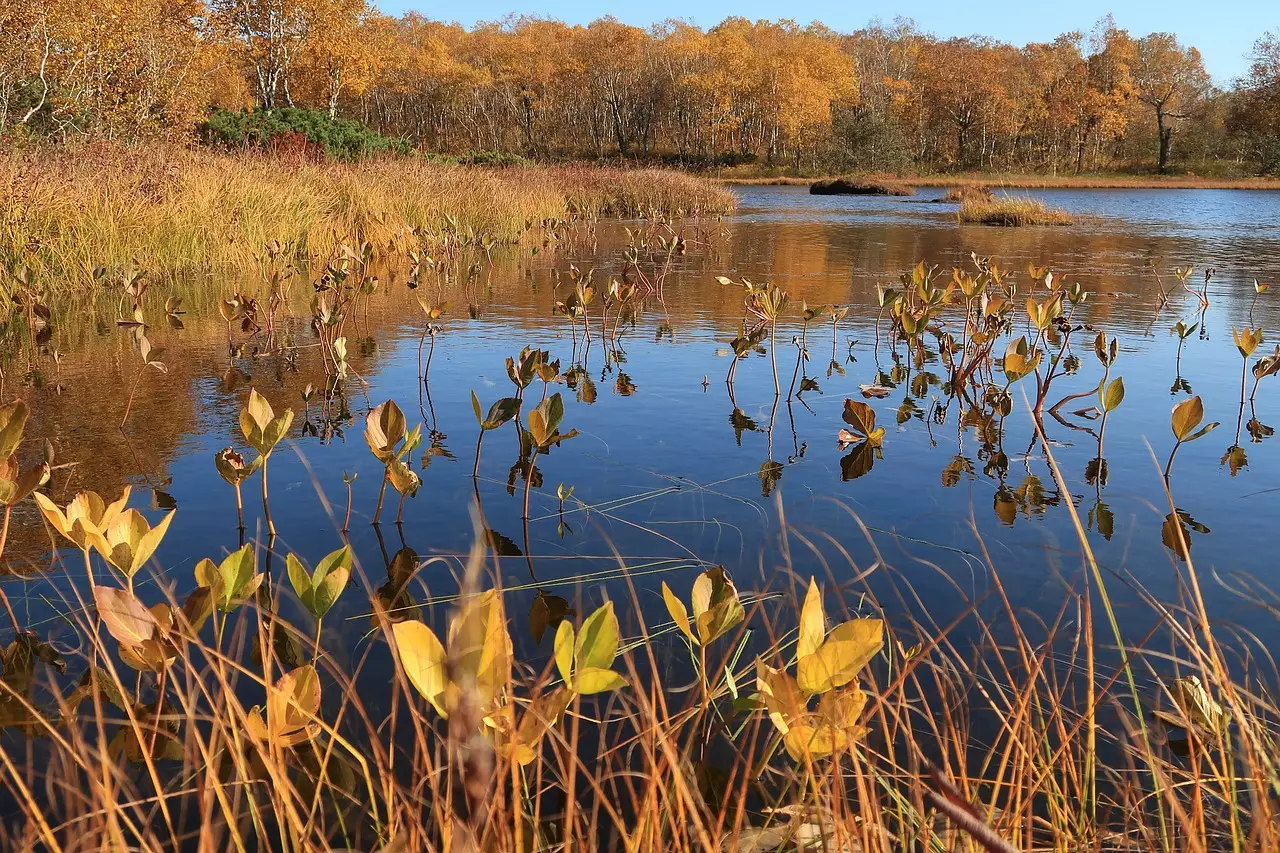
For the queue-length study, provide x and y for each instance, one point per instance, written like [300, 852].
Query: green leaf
[233, 581]
[298, 576]
[597, 643]
[502, 411]
[1114, 395]
[563, 650]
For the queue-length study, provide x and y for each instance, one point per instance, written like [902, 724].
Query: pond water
[670, 475]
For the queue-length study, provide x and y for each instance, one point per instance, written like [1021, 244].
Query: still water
[669, 474]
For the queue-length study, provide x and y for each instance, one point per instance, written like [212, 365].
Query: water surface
[669, 474]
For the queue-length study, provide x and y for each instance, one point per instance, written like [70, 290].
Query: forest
[767, 95]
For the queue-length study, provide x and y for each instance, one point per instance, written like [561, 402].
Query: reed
[184, 212]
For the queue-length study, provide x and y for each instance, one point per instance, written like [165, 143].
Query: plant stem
[134, 390]
[266, 506]
[1169, 465]
[4, 530]
[382, 493]
[346, 520]
[475, 469]
[239, 507]
[773, 357]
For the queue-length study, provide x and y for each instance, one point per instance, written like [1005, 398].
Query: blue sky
[1223, 30]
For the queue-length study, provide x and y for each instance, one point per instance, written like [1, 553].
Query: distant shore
[1014, 181]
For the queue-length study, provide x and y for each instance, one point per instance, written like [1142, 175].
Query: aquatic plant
[391, 441]
[1186, 417]
[263, 430]
[1258, 290]
[1183, 331]
[232, 468]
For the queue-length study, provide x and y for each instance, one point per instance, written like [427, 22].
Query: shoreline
[999, 181]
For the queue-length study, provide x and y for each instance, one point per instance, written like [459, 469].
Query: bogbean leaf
[423, 658]
[843, 654]
[862, 418]
[124, 616]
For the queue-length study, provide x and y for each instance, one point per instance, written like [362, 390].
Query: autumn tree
[963, 83]
[1171, 80]
[1254, 116]
[268, 35]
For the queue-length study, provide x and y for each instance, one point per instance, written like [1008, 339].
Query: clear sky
[1223, 30]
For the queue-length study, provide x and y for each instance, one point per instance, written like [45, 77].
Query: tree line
[777, 94]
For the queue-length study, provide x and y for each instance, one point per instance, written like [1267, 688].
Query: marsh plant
[387, 434]
[263, 430]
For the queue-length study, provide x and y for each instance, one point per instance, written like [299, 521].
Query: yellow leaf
[850, 647]
[813, 622]
[781, 696]
[481, 647]
[564, 650]
[678, 612]
[125, 617]
[590, 679]
[812, 741]
[597, 643]
[422, 656]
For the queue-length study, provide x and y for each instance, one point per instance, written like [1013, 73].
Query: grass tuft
[1009, 210]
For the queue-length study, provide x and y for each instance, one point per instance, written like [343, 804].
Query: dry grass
[181, 212]
[1041, 725]
[1008, 210]
[861, 186]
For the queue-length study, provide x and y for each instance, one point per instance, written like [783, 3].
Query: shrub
[860, 186]
[340, 139]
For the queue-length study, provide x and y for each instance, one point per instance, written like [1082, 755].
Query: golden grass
[181, 212]
[859, 185]
[1008, 210]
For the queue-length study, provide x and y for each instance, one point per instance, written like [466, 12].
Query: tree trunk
[1165, 133]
